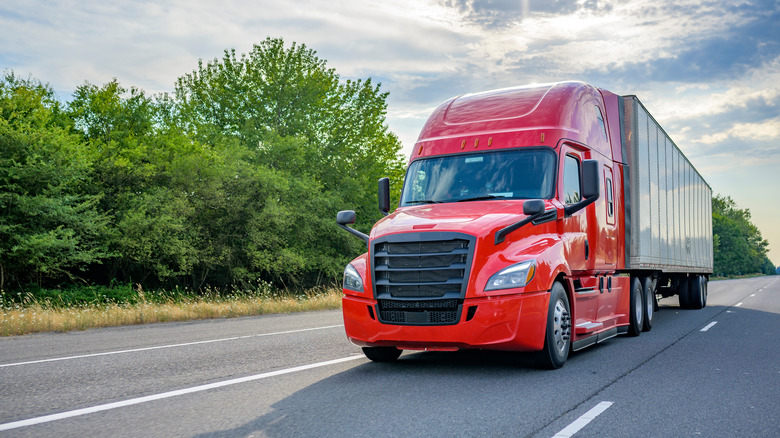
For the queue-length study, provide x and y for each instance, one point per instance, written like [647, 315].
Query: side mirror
[346, 217]
[590, 187]
[384, 195]
[533, 207]
[590, 178]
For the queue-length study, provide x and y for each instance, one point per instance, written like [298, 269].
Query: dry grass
[36, 317]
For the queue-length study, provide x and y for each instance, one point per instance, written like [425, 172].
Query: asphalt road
[296, 375]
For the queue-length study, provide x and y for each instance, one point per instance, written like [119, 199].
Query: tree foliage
[738, 245]
[275, 92]
[234, 178]
[50, 225]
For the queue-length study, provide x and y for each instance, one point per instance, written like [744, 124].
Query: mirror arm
[573, 208]
[502, 233]
[355, 233]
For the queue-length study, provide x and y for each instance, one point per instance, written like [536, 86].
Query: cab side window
[571, 180]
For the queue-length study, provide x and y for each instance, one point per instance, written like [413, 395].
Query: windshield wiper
[480, 198]
[424, 201]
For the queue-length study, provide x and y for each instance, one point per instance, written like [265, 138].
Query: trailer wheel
[704, 281]
[637, 308]
[649, 311]
[698, 292]
[557, 335]
[683, 293]
[382, 354]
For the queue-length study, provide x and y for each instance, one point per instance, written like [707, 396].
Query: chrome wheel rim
[638, 307]
[561, 326]
[650, 304]
[704, 291]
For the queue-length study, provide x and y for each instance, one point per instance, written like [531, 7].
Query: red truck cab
[511, 232]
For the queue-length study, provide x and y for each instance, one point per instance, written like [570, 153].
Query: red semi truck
[543, 218]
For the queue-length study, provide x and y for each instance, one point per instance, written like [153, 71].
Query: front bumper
[509, 322]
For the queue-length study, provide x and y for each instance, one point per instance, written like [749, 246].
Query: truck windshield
[513, 174]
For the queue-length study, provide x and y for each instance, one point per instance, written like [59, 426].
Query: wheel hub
[561, 326]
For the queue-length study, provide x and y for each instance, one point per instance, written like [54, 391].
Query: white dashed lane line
[583, 421]
[709, 326]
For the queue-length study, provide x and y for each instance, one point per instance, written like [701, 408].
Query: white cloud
[692, 101]
[745, 131]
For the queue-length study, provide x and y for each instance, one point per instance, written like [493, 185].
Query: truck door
[575, 227]
[574, 234]
[607, 250]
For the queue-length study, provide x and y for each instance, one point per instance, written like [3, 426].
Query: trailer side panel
[671, 204]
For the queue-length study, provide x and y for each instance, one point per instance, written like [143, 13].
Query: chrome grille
[432, 268]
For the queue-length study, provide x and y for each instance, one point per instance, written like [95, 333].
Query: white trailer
[669, 209]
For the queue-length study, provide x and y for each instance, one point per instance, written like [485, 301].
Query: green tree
[738, 245]
[49, 227]
[219, 213]
[257, 221]
[275, 92]
[135, 172]
[767, 267]
[235, 177]
[314, 145]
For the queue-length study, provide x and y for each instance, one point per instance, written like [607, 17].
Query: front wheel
[382, 354]
[557, 336]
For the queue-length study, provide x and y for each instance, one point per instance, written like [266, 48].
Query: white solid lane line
[583, 421]
[148, 398]
[708, 326]
[168, 346]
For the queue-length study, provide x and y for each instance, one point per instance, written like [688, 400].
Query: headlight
[352, 280]
[517, 275]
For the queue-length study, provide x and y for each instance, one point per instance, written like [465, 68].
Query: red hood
[478, 218]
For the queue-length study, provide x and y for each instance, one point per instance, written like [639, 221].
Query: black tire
[683, 293]
[557, 335]
[698, 292]
[704, 281]
[648, 286]
[636, 309]
[382, 354]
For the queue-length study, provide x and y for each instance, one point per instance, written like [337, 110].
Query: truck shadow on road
[487, 393]
[423, 393]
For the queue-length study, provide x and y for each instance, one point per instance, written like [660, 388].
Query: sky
[708, 71]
